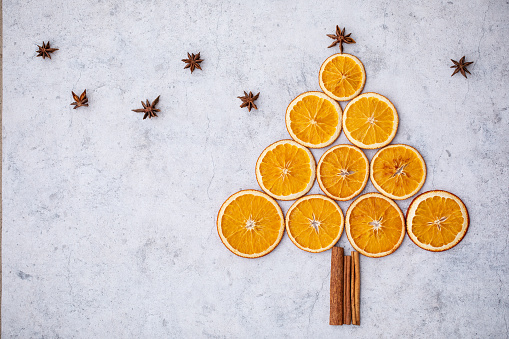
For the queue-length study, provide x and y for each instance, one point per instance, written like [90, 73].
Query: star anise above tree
[248, 100]
[81, 100]
[340, 38]
[461, 66]
[148, 108]
[45, 50]
[193, 61]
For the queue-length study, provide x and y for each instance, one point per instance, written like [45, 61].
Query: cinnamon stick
[352, 291]
[336, 286]
[347, 307]
[357, 287]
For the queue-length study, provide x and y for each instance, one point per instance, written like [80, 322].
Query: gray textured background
[109, 221]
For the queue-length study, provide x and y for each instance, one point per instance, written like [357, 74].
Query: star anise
[340, 38]
[248, 100]
[81, 100]
[149, 109]
[461, 66]
[45, 50]
[193, 61]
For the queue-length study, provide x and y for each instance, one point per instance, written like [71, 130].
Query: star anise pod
[148, 108]
[45, 50]
[461, 66]
[248, 100]
[81, 100]
[340, 38]
[193, 61]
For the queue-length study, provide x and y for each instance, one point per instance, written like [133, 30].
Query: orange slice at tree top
[342, 77]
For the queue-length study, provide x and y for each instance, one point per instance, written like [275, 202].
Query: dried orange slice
[342, 77]
[437, 220]
[398, 171]
[313, 119]
[343, 172]
[375, 225]
[250, 224]
[314, 223]
[286, 170]
[370, 121]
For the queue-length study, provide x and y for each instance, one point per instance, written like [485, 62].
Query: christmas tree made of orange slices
[251, 223]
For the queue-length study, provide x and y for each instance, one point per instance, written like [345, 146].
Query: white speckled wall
[109, 220]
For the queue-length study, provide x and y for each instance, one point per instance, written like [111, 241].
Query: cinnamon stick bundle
[356, 289]
[347, 307]
[336, 286]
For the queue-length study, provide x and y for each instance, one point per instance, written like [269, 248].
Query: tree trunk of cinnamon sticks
[344, 288]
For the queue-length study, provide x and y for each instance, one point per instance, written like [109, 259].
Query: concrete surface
[109, 220]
